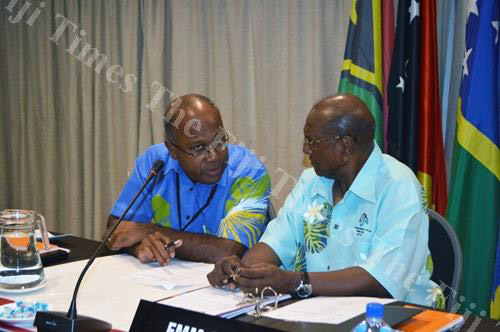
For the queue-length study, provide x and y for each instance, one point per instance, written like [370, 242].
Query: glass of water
[20, 264]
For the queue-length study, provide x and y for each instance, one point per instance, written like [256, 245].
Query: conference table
[81, 249]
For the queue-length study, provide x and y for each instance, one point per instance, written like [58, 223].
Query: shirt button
[191, 189]
[188, 217]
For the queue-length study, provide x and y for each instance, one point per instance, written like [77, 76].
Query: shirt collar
[364, 183]
[224, 179]
[324, 188]
[171, 164]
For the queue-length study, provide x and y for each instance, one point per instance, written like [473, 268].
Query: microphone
[70, 321]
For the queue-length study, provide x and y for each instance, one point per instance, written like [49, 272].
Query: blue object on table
[374, 321]
[22, 310]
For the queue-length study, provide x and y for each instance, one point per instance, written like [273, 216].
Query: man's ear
[171, 149]
[348, 145]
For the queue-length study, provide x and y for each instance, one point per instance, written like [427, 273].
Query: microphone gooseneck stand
[69, 321]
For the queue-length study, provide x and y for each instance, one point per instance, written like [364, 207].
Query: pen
[233, 275]
[171, 244]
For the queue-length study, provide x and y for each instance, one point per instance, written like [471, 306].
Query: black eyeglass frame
[218, 144]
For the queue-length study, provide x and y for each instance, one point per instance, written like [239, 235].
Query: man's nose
[306, 148]
[211, 154]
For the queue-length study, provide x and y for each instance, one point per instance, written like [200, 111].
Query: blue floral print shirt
[238, 208]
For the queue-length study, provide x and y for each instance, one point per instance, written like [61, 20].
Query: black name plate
[151, 316]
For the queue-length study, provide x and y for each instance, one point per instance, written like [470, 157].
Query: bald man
[211, 197]
[355, 223]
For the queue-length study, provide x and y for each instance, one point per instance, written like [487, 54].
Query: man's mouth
[214, 171]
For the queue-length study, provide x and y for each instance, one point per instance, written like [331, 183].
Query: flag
[495, 292]
[448, 55]
[414, 132]
[403, 87]
[474, 200]
[431, 166]
[388, 46]
[362, 66]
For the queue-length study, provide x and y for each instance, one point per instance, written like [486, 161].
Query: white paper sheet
[184, 274]
[210, 300]
[322, 309]
[215, 302]
[106, 292]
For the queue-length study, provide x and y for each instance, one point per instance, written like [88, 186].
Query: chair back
[271, 213]
[446, 256]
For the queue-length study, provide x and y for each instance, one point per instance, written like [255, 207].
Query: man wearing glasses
[355, 223]
[211, 197]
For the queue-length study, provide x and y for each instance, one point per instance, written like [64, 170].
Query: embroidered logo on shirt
[363, 220]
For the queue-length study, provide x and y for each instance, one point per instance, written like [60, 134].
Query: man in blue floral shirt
[211, 196]
[355, 224]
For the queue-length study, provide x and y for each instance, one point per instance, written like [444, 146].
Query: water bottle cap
[375, 310]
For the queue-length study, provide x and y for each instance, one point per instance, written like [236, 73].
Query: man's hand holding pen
[157, 247]
[230, 273]
[225, 272]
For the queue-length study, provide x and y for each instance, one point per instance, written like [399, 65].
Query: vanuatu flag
[362, 67]
[474, 199]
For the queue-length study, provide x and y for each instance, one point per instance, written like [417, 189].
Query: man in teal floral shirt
[210, 195]
[355, 224]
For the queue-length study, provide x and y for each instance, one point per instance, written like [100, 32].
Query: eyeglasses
[311, 144]
[202, 151]
[307, 141]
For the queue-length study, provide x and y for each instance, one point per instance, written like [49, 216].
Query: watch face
[304, 290]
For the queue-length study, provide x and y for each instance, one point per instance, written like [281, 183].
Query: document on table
[107, 291]
[176, 274]
[216, 302]
[323, 309]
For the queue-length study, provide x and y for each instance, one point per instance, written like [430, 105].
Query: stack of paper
[178, 274]
[217, 302]
[322, 309]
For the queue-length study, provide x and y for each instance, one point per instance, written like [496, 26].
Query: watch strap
[304, 289]
[305, 277]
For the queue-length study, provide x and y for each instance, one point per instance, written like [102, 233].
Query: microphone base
[47, 321]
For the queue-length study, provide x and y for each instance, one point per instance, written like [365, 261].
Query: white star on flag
[401, 84]
[464, 64]
[414, 9]
[472, 9]
[495, 26]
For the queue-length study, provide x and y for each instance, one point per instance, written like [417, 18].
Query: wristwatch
[305, 288]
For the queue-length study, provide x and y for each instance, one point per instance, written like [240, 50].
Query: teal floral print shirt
[380, 225]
